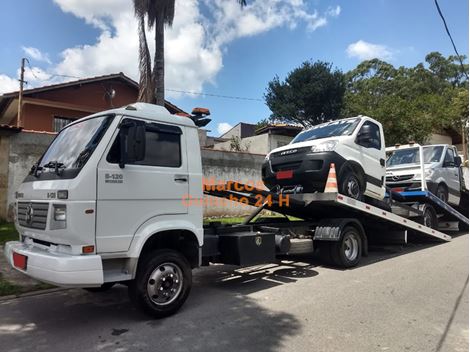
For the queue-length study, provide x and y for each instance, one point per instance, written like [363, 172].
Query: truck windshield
[431, 154]
[328, 129]
[73, 146]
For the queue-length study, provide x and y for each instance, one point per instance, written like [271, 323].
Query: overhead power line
[451, 39]
[167, 89]
[213, 95]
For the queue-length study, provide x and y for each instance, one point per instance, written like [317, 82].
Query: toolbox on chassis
[106, 204]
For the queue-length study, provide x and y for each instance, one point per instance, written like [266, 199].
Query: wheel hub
[353, 188]
[165, 283]
[351, 248]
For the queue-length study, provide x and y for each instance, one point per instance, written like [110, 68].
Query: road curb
[32, 293]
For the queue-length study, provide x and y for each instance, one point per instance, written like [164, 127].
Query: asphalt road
[412, 299]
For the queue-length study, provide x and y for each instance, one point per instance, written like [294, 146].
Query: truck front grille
[293, 165]
[33, 215]
[399, 178]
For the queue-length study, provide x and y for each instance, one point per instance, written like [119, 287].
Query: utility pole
[20, 96]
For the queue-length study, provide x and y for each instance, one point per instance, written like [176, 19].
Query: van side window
[449, 158]
[163, 146]
[376, 140]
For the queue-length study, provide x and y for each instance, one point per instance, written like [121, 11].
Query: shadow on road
[75, 320]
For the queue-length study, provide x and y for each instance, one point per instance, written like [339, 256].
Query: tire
[103, 288]
[442, 193]
[350, 184]
[162, 283]
[347, 252]
[429, 217]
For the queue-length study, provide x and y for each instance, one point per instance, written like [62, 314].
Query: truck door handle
[181, 178]
[382, 162]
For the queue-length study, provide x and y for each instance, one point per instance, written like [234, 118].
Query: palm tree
[159, 13]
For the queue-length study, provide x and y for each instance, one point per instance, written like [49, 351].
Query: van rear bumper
[57, 268]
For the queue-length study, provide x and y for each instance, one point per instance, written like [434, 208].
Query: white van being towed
[442, 173]
[355, 145]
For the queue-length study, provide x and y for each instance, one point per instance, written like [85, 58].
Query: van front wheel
[162, 283]
[350, 185]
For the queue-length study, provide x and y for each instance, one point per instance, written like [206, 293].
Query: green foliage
[411, 102]
[237, 145]
[7, 233]
[311, 94]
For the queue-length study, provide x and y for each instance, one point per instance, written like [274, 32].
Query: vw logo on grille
[29, 214]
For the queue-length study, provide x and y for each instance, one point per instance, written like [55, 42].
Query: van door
[451, 175]
[372, 156]
[128, 197]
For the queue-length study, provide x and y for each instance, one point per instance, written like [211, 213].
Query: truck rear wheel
[162, 283]
[347, 252]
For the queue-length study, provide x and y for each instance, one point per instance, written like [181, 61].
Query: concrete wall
[19, 151]
[260, 144]
[25, 150]
[222, 166]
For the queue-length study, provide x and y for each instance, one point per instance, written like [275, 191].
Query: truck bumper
[57, 268]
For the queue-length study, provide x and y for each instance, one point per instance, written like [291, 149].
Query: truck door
[452, 177]
[372, 156]
[128, 197]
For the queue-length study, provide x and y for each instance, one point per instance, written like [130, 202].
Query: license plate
[20, 261]
[285, 174]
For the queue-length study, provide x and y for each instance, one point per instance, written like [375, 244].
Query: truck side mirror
[458, 161]
[132, 136]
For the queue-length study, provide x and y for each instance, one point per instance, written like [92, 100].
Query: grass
[239, 219]
[7, 233]
[7, 288]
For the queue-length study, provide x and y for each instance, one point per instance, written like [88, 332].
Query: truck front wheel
[162, 283]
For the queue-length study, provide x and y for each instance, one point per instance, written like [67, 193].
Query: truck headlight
[60, 212]
[327, 146]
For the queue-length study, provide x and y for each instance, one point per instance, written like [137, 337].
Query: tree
[159, 13]
[410, 102]
[311, 94]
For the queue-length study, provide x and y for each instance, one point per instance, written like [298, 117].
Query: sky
[217, 48]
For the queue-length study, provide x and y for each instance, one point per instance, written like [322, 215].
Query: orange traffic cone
[331, 184]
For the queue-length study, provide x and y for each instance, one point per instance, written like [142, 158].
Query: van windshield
[431, 154]
[343, 127]
[73, 146]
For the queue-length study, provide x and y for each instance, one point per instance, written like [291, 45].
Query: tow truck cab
[107, 187]
[355, 145]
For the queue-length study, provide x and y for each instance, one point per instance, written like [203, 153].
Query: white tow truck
[112, 201]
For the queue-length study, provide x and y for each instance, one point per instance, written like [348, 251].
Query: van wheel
[347, 252]
[442, 193]
[350, 185]
[162, 283]
[103, 288]
[429, 217]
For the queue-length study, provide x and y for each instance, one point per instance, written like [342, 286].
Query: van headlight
[327, 146]
[60, 212]
[428, 173]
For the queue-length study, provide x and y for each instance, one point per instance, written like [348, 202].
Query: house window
[60, 122]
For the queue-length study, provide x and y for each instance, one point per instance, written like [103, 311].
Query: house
[242, 137]
[50, 108]
[240, 130]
